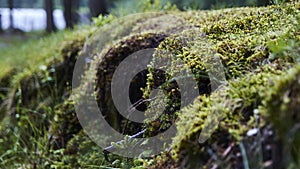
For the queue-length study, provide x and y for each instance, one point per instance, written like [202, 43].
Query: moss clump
[241, 40]
[233, 106]
[109, 64]
[281, 108]
[35, 94]
[4, 90]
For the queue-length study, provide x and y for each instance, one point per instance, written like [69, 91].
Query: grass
[33, 52]
[27, 57]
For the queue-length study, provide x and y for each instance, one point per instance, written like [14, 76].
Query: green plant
[278, 2]
[103, 20]
[123, 8]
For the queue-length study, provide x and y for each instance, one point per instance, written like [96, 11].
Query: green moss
[34, 95]
[240, 39]
[109, 64]
[33, 91]
[258, 47]
[281, 108]
[33, 53]
[235, 104]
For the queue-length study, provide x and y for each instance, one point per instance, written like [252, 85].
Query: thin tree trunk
[97, 7]
[70, 14]
[263, 2]
[1, 30]
[49, 13]
[11, 19]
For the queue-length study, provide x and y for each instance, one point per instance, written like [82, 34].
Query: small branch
[112, 148]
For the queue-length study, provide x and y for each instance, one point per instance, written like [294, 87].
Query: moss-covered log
[258, 106]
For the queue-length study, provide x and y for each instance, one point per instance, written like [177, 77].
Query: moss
[282, 104]
[261, 78]
[5, 84]
[235, 104]
[80, 151]
[64, 125]
[32, 100]
[241, 40]
[35, 91]
[110, 62]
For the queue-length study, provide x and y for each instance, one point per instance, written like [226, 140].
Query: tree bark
[97, 7]
[70, 12]
[48, 4]
[263, 2]
[1, 29]
[10, 4]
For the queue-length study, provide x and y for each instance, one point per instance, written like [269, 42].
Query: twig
[112, 148]
[228, 150]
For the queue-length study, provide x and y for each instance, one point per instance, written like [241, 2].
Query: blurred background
[17, 16]
[23, 20]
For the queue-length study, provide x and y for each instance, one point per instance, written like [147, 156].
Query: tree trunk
[97, 7]
[263, 2]
[10, 4]
[70, 12]
[48, 4]
[1, 30]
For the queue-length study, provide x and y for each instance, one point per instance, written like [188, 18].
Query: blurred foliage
[37, 50]
[132, 4]
[103, 20]
[123, 8]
